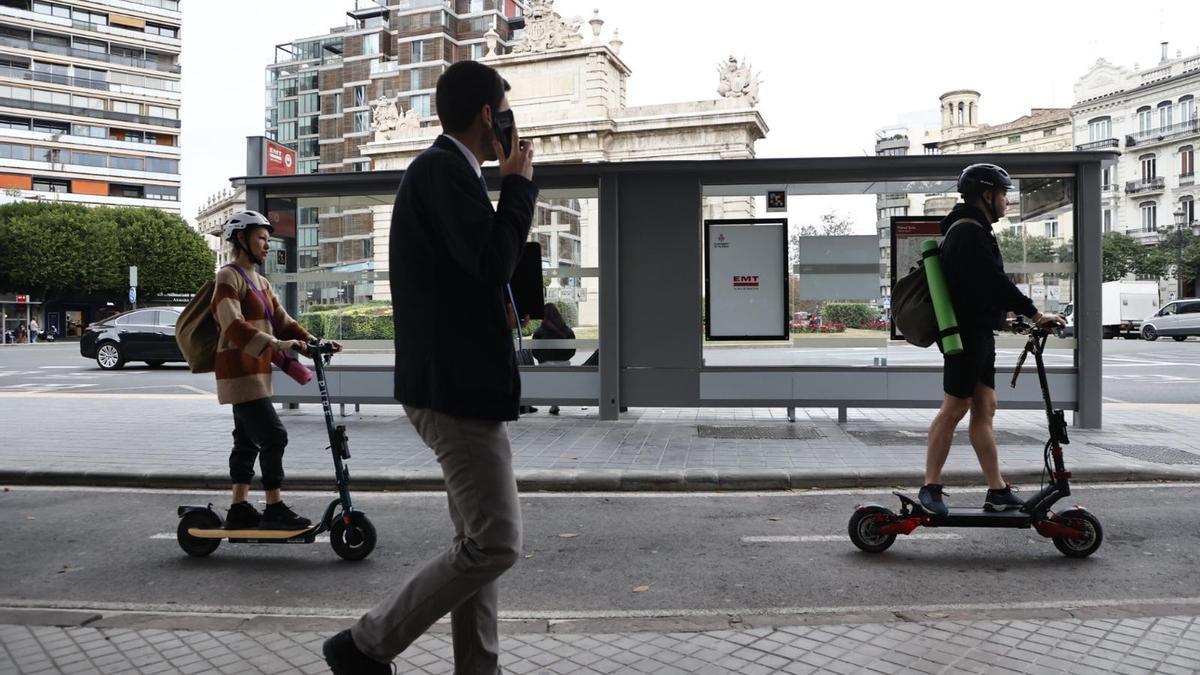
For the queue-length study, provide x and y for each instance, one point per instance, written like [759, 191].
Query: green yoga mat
[943, 309]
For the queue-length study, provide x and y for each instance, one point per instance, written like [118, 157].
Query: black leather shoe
[344, 658]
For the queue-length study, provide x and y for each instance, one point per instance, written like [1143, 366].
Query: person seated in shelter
[553, 327]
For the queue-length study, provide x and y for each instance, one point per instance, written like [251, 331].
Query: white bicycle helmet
[243, 220]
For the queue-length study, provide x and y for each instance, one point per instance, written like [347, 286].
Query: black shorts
[976, 364]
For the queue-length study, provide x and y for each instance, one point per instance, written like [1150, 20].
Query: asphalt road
[1135, 371]
[588, 555]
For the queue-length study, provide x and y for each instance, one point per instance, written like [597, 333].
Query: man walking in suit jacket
[452, 256]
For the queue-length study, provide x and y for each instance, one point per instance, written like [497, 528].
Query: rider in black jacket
[982, 295]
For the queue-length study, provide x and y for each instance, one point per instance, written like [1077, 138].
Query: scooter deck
[246, 534]
[968, 517]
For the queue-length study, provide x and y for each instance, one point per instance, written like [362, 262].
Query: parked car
[141, 335]
[1178, 320]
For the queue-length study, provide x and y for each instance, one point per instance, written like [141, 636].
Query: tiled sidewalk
[188, 440]
[1169, 645]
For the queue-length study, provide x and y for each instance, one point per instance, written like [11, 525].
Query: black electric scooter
[351, 534]
[1075, 532]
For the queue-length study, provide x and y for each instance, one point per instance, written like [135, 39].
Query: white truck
[1123, 305]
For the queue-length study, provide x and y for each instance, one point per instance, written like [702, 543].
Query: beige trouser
[476, 461]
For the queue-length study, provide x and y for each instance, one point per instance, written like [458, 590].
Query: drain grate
[773, 432]
[921, 436]
[1146, 428]
[1153, 453]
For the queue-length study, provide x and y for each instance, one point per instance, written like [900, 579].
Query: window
[476, 52]
[167, 317]
[50, 72]
[90, 102]
[17, 93]
[1149, 168]
[1149, 216]
[421, 104]
[1145, 119]
[89, 130]
[162, 193]
[418, 51]
[127, 107]
[142, 318]
[414, 79]
[51, 185]
[287, 132]
[1099, 129]
[1049, 132]
[1164, 114]
[1108, 220]
[127, 191]
[160, 165]
[159, 111]
[362, 122]
[308, 81]
[476, 6]
[52, 42]
[1052, 229]
[164, 31]
[14, 151]
[288, 109]
[309, 104]
[51, 127]
[126, 163]
[1015, 138]
[91, 76]
[360, 96]
[1187, 109]
[307, 236]
[42, 154]
[337, 102]
[980, 145]
[60, 11]
[1187, 161]
[1106, 175]
[371, 44]
[89, 159]
[1188, 206]
[94, 46]
[84, 16]
[51, 97]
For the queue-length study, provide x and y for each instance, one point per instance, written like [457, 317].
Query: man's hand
[520, 162]
[1049, 320]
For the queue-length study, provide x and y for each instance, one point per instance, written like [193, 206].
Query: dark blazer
[451, 257]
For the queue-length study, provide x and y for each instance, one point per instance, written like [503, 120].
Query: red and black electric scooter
[1075, 532]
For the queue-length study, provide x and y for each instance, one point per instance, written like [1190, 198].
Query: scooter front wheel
[201, 520]
[353, 541]
[864, 529]
[1086, 523]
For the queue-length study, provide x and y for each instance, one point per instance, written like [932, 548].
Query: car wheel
[155, 364]
[1179, 338]
[1149, 333]
[109, 357]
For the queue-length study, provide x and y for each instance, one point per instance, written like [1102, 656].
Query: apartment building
[89, 101]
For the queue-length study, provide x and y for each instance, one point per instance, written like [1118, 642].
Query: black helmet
[982, 177]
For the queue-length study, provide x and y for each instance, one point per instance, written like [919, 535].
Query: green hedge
[336, 326]
[853, 314]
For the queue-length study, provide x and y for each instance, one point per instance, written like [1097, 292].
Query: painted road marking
[812, 538]
[116, 397]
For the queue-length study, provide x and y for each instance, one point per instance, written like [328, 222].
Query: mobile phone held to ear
[502, 125]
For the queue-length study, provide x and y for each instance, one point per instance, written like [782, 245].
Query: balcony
[34, 76]
[1141, 187]
[1164, 134]
[85, 54]
[1187, 179]
[87, 112]
[1099, 145]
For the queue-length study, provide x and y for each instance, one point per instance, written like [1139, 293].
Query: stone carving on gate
[738, 81]
[546, 30]
[389, 123]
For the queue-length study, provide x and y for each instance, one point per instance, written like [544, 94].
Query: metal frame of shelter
[651, 350]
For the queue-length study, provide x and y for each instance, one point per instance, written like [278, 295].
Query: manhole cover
[785, 432]
[1153, 453]
[921, 436]
[1146, 428]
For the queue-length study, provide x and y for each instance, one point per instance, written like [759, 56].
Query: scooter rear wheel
[196, 546]
[864, 529]
[354, 541]
[1093, 534]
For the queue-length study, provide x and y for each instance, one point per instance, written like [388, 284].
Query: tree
[54, 248]
[834, 225]
[1017, 248]
[170, 256]
[1122, 256]
[1162, 258]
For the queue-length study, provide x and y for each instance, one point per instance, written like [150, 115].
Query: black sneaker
[553, 410]
[278, 516]
[1002, 500]
[931, 499]
[242, 516]
[344, 658]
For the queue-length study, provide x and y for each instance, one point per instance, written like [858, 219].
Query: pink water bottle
[292, 366]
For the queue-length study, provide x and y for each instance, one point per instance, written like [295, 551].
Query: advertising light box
[745, 279]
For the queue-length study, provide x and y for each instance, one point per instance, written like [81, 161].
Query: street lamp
[1179, 224]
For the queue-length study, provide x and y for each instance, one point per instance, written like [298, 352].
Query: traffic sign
[133, 293]
[133, 275]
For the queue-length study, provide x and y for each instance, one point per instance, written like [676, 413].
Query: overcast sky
[833, 72]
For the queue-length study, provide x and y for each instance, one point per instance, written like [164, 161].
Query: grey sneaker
[1002, 500]
[931, 499]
